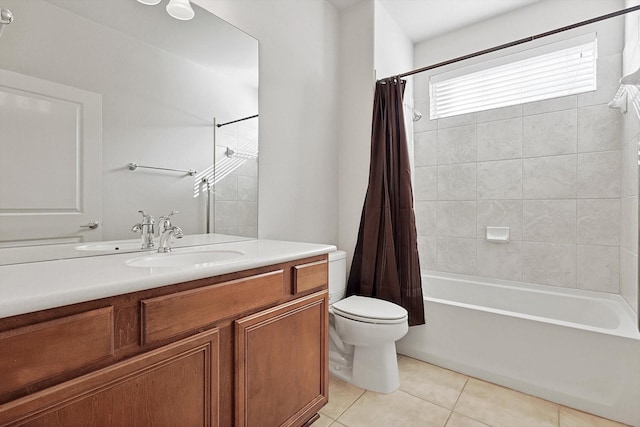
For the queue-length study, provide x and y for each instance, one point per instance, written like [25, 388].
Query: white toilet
[362, 334]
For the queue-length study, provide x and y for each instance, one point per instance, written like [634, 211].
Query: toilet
[362, 334]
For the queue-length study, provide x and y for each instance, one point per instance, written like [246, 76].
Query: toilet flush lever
[92, 225]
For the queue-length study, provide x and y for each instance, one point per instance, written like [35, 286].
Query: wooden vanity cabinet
[245, 349]
[281, 360]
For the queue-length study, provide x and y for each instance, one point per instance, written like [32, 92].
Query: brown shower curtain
[385, 263]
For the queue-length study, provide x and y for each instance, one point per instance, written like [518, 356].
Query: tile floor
[430, 396]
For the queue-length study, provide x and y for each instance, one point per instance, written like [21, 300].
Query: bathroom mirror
[110, 108]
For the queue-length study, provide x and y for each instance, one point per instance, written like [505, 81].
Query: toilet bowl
[362, 334]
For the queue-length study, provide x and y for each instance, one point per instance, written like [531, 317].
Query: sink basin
[185, 259]
[124, 245]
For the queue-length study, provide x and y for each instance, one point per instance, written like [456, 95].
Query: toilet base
[372, 368]
[376, 368]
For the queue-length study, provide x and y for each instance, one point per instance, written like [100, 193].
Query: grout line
[364, 391]
[460, 394]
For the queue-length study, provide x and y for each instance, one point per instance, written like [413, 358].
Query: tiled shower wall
[549, 170]
[236, 195]
[630, 139]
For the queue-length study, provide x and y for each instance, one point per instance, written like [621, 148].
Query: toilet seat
[370, 310]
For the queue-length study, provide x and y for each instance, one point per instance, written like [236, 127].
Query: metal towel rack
[133, 166]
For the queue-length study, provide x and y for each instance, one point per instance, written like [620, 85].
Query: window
[558, 69]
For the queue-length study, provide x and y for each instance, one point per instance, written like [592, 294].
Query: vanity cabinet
[174, 385]
[246, 349]
[281, 355]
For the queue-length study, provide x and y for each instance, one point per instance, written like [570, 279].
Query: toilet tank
[337, 275]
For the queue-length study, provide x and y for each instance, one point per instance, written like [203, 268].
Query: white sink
[184, 259]
[122, 245]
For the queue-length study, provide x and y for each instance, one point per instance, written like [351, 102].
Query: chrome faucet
[164, 222]
[146, 227]
[165, 237]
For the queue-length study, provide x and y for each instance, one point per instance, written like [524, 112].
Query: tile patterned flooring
[430, 396]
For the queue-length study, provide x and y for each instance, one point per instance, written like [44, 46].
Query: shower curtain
[385, 263]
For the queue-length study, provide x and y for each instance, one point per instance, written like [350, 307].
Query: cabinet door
[175, 385]
[281, 363]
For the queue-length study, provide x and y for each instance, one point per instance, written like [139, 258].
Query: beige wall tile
[457, 255]
[500, 179]
[425, 146]
[457, 182]
[630, 169]
[425, 212]
[500, 213]
[599, 268]
[457, 145]
[599, 128]
[502, 113]
[500, 140]
[549, 177]
[548, 105]
[599, 222]
[500, 260]
[629, 224]
[456, 219]
[459, 120]
[599, 175]
[427, 249]
[549, 221]
[426, 187]
[550, 134]
[549, 264]
[629, 278]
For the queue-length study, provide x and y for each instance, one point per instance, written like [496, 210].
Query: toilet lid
[371, 310]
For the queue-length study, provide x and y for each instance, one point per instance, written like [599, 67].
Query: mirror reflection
[112, 108]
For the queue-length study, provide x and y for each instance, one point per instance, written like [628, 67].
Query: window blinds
[566, 68]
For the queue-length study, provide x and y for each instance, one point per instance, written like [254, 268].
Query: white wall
[299, 82]
[357, 85]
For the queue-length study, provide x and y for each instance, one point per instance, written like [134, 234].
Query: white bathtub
[573, 347]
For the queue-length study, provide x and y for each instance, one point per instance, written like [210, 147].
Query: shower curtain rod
[517, 42]
[236, 121]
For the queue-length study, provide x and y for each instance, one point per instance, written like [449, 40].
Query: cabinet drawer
[170, 315]
[36, 352]
[313, 275]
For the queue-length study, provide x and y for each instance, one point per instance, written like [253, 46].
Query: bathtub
[574, 347]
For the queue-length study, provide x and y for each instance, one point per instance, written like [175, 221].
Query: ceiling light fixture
[178, 9]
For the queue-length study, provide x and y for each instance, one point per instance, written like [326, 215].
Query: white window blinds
[558, 69]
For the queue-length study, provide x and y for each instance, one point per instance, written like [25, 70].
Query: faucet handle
[167, 216]
[146, 218]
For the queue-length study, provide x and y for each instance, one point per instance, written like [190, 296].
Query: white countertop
[25, 288]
